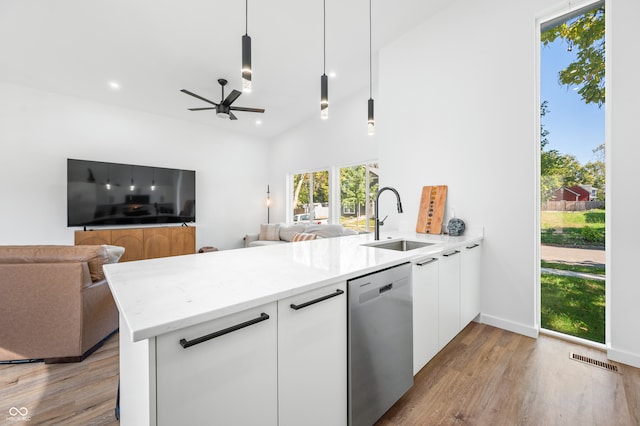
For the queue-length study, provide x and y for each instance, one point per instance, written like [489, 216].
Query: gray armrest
[250, 237]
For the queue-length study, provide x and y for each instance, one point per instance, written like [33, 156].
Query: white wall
[458, 107]
[40, 130]
[623, 95]
[316, 143]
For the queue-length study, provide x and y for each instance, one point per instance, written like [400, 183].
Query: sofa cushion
[260, 243]
[269, 232]
[325, 231]
[302, 236]
[288, 231]
[95, 256]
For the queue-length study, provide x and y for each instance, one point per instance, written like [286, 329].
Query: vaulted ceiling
[154, 48]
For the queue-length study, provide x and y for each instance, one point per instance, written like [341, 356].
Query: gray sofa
[280, 233]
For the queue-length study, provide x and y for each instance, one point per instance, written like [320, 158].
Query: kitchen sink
[400, 245]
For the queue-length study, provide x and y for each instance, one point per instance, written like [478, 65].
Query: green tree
[594, 172]
[550, 179]
[353, 187]
[301, 191]
[321, 187]
[586, 34]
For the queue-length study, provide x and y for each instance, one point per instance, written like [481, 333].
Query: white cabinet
[312, 358]
[470, 260]
[425, 311]
[448, 296]
[220, 372]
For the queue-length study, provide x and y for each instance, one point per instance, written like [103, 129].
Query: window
[358, 187]
[310, 202]
[355, 187]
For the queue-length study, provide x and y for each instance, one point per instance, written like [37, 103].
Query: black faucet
[378, 222]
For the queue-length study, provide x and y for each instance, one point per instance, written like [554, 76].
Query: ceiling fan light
[246, 63]
[324, 96]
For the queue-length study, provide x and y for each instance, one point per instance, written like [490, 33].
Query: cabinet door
[469, 283]
[312, 358]
[131, 240]
[92, 238]
[183, 240]
[425, 311]
[157, 242]
[230, 379]
[448, 297]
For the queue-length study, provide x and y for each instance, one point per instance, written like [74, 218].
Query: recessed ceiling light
[258, 122]
[114, 85]
[332, 74]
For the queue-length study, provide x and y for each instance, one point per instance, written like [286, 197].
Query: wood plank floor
[485, 376]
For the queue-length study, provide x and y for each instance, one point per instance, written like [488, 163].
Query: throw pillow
[270, 232]
[114, 253]
[288, 231]
[301, 236]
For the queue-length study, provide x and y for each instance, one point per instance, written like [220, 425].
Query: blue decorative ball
[455, 227]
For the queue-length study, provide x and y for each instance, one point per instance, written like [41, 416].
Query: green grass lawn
[573, 229]
[575, 268]
[573, 306]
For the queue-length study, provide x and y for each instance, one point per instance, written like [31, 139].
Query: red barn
[573, 193]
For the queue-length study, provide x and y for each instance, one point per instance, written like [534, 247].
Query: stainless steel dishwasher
[380, 342]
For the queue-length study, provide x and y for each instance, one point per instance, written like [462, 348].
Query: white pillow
[270, 232]
[114, 253]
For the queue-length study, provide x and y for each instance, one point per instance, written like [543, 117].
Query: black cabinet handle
[188, 343]
[426, 262]
[451, 253]
[319, 299]
[473, 246]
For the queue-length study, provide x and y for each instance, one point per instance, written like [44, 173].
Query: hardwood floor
[488, 376]
[80, 394]
[485, 376]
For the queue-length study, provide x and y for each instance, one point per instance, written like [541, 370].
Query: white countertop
[160, 295]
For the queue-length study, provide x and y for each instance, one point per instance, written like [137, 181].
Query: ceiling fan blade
[201, 109]
[247, 109]
[231, 116]
[198, 96]
[231, 98]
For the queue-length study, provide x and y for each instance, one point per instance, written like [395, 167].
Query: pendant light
[246, 53]
[133, 186]
[370, 120]
[324, 82]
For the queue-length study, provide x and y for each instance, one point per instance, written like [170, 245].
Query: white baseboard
[515, 327]
[623, 357]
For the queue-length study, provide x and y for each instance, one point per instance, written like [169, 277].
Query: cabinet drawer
[220, 372]
[312, 357]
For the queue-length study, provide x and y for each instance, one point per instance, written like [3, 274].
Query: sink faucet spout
[398, 202]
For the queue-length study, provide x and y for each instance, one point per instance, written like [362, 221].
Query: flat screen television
[101, 193]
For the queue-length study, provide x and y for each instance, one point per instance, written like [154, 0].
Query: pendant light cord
[370, 54]
[324, 31]
[246, 17]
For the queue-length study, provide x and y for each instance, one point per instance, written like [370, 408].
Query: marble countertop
[160, 295]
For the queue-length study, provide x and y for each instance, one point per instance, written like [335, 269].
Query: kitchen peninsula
[231, 337]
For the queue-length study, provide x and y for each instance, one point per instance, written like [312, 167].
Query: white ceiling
[154, 48]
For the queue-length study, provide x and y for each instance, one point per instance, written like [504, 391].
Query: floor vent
[592, 361]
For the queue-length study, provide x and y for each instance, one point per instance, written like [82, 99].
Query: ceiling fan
[224, 108]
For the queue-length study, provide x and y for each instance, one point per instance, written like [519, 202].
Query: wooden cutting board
[431, 210]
